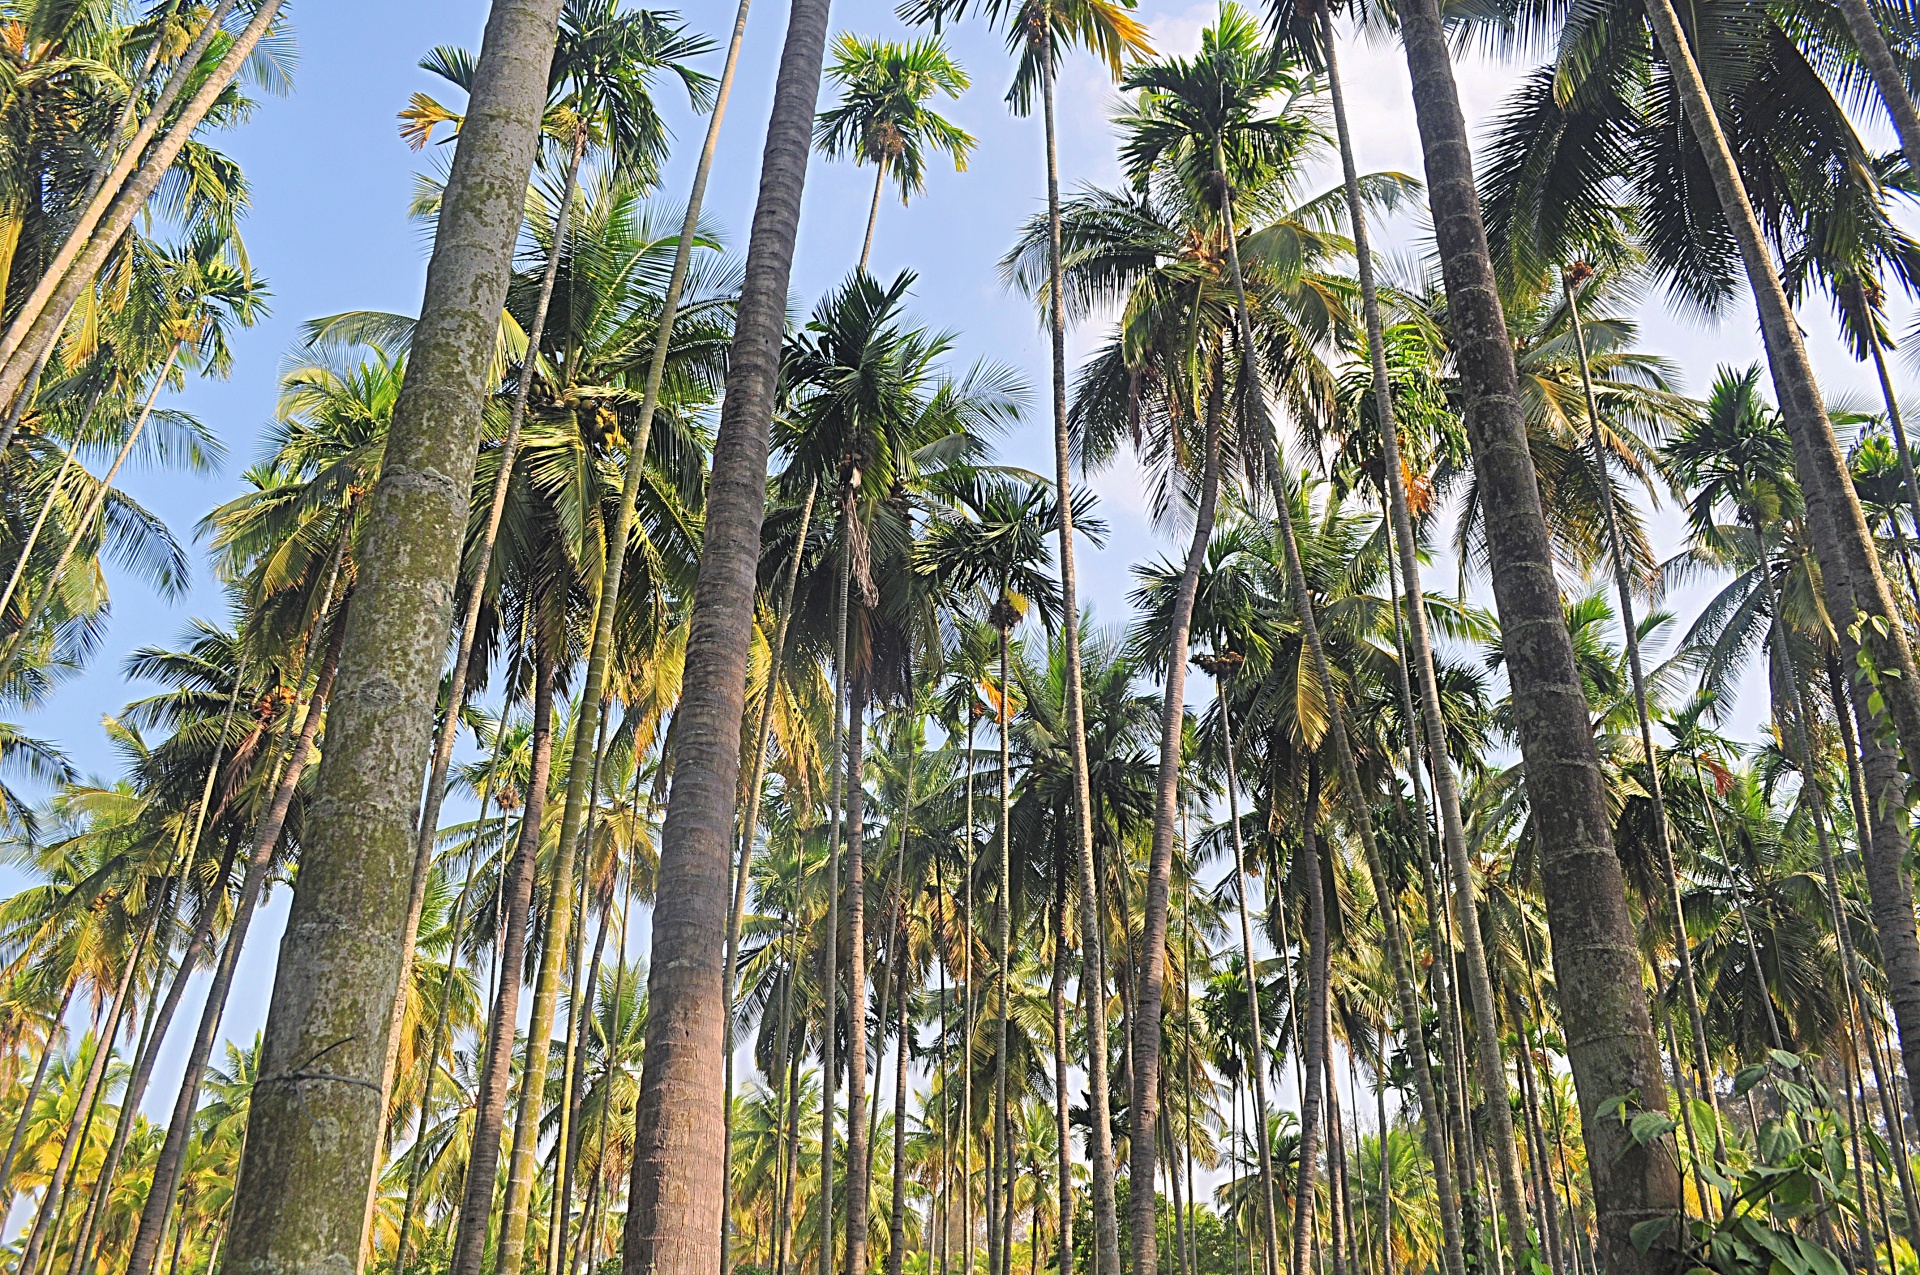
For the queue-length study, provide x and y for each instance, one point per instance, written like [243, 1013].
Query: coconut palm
[882, 117]
[368, 782]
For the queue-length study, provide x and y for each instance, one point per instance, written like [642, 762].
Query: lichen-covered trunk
[859, 1154]
[516, 902]
[1609, 1031]
[677, 1196]
[172, 1157]
[313, 1134]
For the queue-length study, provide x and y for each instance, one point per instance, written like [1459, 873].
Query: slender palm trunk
[750, 829]
[39, 524]
[1609, 1030]
[116, 205]
[10, 656]
[677, 1199]
[1145, 1065]
[902, 1026]
[873, 215]
[1313, 1043]
[1106, 1230]
[1062, 1125]
[830, 941]
[859, 1134]
[55, 1026]
[317, 1113]
[970, 983]
[490, 1102]
[1487, 1057]
[1857, 594]
[449, 732]
[416, 1170]
[1257, 1044]
[1662, 842]
[172, 1157]
[1396, 945]
[999, 1210]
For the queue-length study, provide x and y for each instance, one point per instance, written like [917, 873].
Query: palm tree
[997, 547]
[883, 120]
[1037, 32]
[676, 1204]
[598, 91]
[357, 853]
[1586, 896]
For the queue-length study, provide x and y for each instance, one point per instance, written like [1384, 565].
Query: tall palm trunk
[873, 215]
[902, 1027]
[314, 1127]
[971, 984]
[859, 1134]
[449, 732]
[39, 523]
[1257, 1044]
[1106, 1227]
[830, 941]
[1610, 1040]
[677, 1199]
[490, 1102]
[1145, 1066]
[1411, 1021]
[1487, 1057]
[999, 1207]
[416, 1171]
[1662, 843]
[1871, 44]
[160, 1018]
[1856, 588]
[1313, 1044]
[108, 216]
[1062, 1094]
[750, 829]
[172, 1157]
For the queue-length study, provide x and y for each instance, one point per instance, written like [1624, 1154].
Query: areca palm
[882, 118]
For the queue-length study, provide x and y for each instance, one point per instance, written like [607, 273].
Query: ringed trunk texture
[1487, 1057]
[1610, 1041]
[859, 1153]
[1106, 1227]
[1313, 1045]
[313, 1136]
[1145, 1067]
[678, 1195]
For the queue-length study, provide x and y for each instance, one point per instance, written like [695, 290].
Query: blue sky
[330, 180]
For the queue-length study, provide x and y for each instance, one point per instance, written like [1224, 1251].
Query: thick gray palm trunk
[1093, 971]
[1856, 587]
[1857, 594]
[678, 1196]
[1486, 1037]
[314, 1131]
[1144, 1071]
[1610, 1040]
[1399, 963]
[173, 1150]
[516, 901]
[449, 732]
